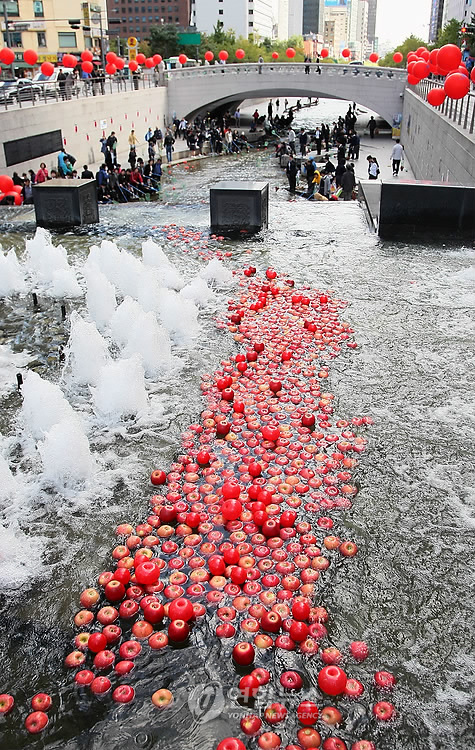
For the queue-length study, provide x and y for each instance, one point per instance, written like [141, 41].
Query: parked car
[19, 89]
[49, 85]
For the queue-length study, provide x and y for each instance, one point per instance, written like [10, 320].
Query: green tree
[409, 45]
[164, 41]
[450, 34]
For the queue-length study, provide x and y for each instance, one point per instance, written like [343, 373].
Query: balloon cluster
[445, 62]
[9, 190]
[113, 61]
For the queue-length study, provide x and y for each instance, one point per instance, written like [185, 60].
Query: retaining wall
[437, 149]
[80, 122]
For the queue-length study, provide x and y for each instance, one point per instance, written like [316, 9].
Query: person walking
[371, 126]
[373, 168]
[348, 183]
[397, 155]
[237, 117]
[111, 144]
[291, 171]
[62, 84]
[269, 111]
[307, 65]
[261, 62]
[168, 143]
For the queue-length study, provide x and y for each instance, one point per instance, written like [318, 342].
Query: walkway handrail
[459, 111]
[327, 69]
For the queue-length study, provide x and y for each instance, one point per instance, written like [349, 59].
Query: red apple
[291, 680]
[243, 654]
[97, 642]
[354, 688]
[384, 680]
[248, 686]
[383, 710]
[84, 677]
[363, 745]
[36, 722]
[332, 680]
[6, 703]
[271, 622]
[307, 713]
[41, 702]
[178, 630]
[308, 737]
[275, 713]
[124, 667]
[261, 675]
[251, 724]
[100, 685]
[268, 741]
[75, 659]
[331, 715]
[334, 743]
[158, 641]
[162, 698]
[123, 694]
[359, 650]
[130, 650]
[158, 477]
[107, 615]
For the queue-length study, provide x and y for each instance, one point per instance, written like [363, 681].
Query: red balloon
[425, 55]
[462, 69]
[30, 56]
[398, 57]
[421, 50]
[412, 80]
[374, 57]
[149, 62]
[157, 59]
[433, 56]
[7, 56]
[324, 52]
[47, 69]
[133, 65]
[209, 55]
[111, 57]
[16, 189]
[70, 61]
[223, 55]
[6, 183]
[472, 75]
[449, 57]
[182, 58]
[140, 59]
[86, 56]
[345, 52]
[412, 57]
[275, 55]
[436, 97]
[290, 52]
[240, 54]
[456, 85]
[420, 69]
[111, 69]
[120, 63]
[87, 66]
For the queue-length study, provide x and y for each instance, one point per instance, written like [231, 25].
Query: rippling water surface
[409, 592]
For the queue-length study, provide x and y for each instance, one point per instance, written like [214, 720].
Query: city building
[138, 16]
[460, 9]
[358, 29]
[290, 18]
[436, 19]
[314, 16]
[336, 29]
[372, 13]
[43, 25]
[272, 19]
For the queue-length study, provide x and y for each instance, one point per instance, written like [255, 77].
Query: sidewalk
[380, 147]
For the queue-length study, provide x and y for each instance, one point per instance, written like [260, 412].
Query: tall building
[460, 9]
[138, 16]
[43, 25]
[244, 17]
[358, 29]
[372, 13]
[313, 16]
[336, 29]
[290, 18]
[436, 19]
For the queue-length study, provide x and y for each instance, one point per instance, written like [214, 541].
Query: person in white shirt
[291, 140]
[397, 155]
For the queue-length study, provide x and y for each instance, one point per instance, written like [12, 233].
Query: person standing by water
[397, 155]
[261, 62]
[291, 172]
[371, 126]
[303, 140]
[291, 140]
[168, 142]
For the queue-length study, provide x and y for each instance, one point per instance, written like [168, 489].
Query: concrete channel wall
[83, 122]
[437, 149]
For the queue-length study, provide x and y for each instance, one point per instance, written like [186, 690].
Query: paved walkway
[380, 147]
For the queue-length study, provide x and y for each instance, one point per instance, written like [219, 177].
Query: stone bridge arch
[193, 90]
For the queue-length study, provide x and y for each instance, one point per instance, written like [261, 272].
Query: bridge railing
[28, 93]
[459, 111]
[289, 69]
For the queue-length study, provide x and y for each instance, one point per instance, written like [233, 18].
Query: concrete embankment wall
[437, 149]
[80, 121]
